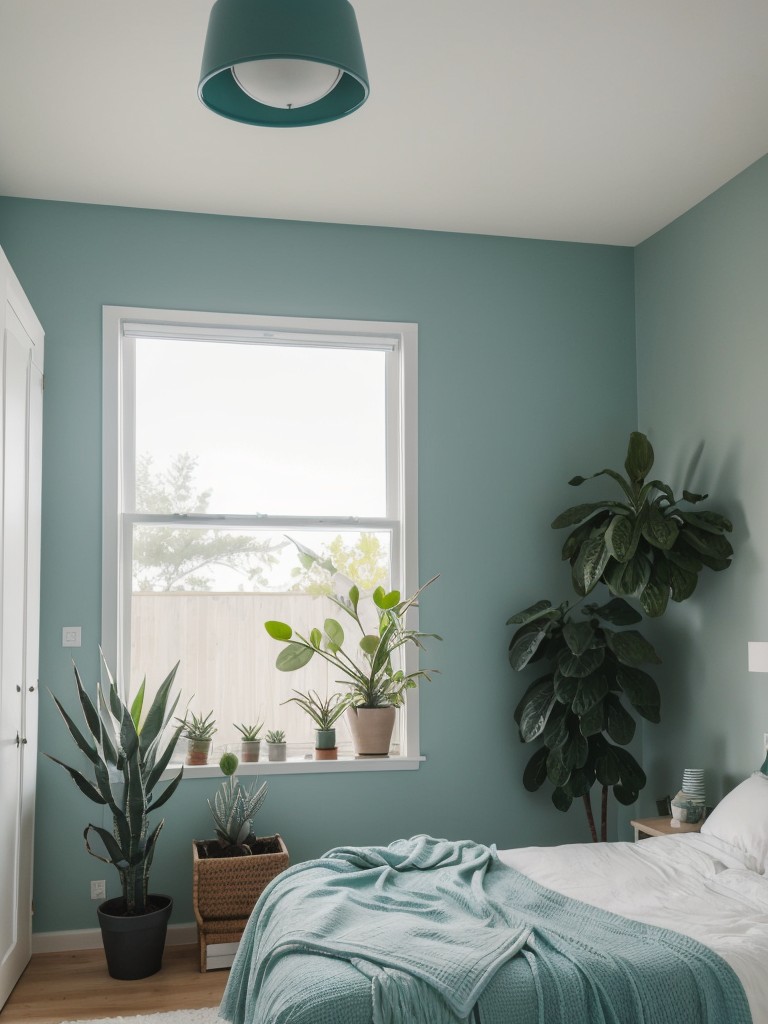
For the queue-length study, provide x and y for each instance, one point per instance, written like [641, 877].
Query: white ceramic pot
[371, 730]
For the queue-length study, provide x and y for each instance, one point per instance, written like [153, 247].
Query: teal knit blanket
[439, 932]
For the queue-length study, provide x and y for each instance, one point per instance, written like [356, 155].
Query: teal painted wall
[526, 375]
[702, 311]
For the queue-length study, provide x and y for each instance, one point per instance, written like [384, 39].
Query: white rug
[210, 1015]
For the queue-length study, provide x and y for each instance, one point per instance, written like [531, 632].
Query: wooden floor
[76, 986]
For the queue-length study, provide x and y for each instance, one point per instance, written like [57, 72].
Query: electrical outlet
[99, 890]
[70, 636]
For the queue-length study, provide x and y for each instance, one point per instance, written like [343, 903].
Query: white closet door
[20, 461]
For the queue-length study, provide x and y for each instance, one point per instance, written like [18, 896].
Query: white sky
[277, 430]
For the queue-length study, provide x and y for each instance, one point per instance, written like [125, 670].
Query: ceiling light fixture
[283, 63]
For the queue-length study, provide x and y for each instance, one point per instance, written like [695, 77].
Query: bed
[671, 929]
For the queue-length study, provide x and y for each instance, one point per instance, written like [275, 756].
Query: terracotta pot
[371, 730]
[249, 751]
[198, 751]
[326, 753]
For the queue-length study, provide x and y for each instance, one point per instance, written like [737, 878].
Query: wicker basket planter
[225, 889]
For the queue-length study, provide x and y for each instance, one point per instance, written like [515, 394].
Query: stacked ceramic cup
[688, 806]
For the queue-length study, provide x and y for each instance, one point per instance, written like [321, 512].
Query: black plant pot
[134, 943]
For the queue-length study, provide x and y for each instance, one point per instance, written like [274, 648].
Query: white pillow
[741, 819]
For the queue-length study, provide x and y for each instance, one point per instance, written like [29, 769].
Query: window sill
[301, 766]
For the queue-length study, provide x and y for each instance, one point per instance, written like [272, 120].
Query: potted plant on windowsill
[377, 686]
[325, 714]
[198, 732]
[128, 757]
[230, 872]
[250, 745]
[276, 745]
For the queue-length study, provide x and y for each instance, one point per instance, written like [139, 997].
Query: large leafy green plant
[578, 708]
[645, 547]
[127, 759]
[371, 672]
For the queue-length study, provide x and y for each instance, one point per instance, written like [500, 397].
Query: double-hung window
[253, 466]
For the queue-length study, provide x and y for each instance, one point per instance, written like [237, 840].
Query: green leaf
[593, 721]
[578, 636]
[534, 611]
[694, 498]
[138, 703]
[621, 538]
[635, 575]
[535, 713]
[591, 691]
[565, 687]
[709, 522]
[659, 530]
[561, 800]
[625, 486]
[278, 630]
[714, 545]
[315, 638]
[529, 690]
[578, 784]
[640, 688]
[334, 634]
[607, 767]
[354, 596]
[619, 724]
[631, 648]
[369, 643]
[535, 772]
[616, 611]
[654, 598]
[684, 558]
[574, 751]
[665, 490]
[650, 712]
[80, 781]
[581, 665]
[632, 775]
[589, 565]
[293, 656]
[576, 513]
[639, 460]
[384, 600]
[625, 795]
[557, 772]
[556, 731]
[525, 643]
[682, 583]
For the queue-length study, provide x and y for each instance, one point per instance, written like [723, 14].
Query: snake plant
[127, 758]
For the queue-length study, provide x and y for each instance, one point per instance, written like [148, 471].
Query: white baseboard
[90, 938]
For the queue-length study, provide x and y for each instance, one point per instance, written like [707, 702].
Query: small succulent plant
[198, 727]
[250, 732]
[275, 736]
[235, 807]
[324, 713]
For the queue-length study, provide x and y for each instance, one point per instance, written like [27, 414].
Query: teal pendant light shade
[283, 63]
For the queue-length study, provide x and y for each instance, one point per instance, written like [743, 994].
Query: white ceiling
[587, 120]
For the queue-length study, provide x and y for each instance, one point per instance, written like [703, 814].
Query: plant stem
[604, 817]
[590, 816]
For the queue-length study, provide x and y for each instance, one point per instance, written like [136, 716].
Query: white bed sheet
[693, 884]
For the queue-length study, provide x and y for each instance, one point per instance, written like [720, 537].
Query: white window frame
[398, 340]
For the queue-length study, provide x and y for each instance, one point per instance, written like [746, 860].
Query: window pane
[202, 596]
[248, 428]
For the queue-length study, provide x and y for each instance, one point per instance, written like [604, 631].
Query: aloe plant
[371, 675]
[128, 756]
[250, 733]
[323, 712]
[198, 727]
[275, 736]
[235, 807]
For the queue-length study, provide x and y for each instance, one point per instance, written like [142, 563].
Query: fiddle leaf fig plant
[580, 710]
[645, 545]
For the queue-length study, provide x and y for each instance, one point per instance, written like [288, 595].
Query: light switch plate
[70, 636]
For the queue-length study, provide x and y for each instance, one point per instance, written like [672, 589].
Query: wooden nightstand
[645, 827]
